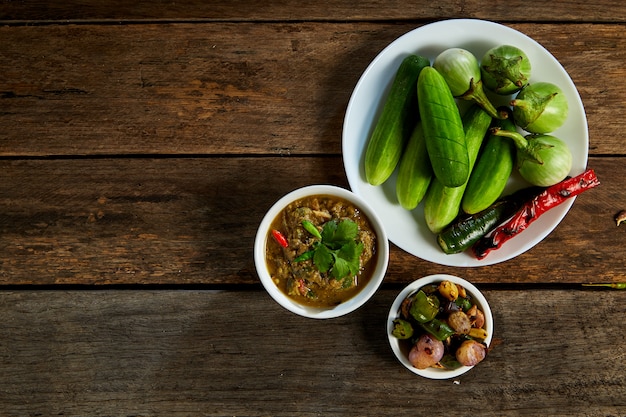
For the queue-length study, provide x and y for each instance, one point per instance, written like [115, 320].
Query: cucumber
[414, 171]
[462, 234]
[443, 129]
[396, 122]
[442, 204]
[492, 169]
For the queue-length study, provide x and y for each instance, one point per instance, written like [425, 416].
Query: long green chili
[310, 227]
[614, 285]
[305, 256]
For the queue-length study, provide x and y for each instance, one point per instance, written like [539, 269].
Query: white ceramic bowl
[407, 229]
[382, 254]
[395, 343]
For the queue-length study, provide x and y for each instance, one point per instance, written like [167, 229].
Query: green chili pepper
[402, 329]
[449, 361]
[615, 285]
[424, 308]
[348, 282]
[438, 328]
[304, 256]
[310, 227]
[464, 303]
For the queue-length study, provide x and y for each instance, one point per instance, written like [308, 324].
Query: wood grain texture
[193, 221]
[235, 88]
[141, 144]
[291, 10]
[202, 353]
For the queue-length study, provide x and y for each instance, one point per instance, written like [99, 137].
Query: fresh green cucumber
[442, 204]
[492, 169]
[443, 129]
[414, 171]
[396, 122]
[462, 234]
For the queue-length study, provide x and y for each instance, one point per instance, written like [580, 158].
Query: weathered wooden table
[141, 144]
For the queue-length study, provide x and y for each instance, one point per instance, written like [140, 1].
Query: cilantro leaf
[328, 232]
[340, 268]
[346, 232]
[351, 254]
[323, 258]
[335, 235]
[338, 251]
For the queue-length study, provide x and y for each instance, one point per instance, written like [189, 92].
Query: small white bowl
[382, 254]
[477, 296]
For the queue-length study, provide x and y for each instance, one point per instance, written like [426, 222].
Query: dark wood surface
[193, 220]
[142, 143]
[235, 88]
[236, 353]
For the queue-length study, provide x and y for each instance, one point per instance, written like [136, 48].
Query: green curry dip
[300, 279]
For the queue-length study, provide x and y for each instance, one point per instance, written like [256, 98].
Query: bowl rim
[357, 300]
[434, 373]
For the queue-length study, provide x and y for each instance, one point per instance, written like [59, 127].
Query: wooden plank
[517, 10]
[180, 353]
[224, 88]
[174, 221]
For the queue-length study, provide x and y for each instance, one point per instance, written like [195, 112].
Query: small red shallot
[426, 352]
[471, 353]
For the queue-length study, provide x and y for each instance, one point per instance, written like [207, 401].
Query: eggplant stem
[521, 143]
[477, 94]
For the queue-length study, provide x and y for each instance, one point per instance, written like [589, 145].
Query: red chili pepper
[302, 287]
[549, 198]
[280, 238]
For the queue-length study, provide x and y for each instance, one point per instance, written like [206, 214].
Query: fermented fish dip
[321, 250]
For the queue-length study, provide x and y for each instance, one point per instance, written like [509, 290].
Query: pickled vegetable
[435, 322]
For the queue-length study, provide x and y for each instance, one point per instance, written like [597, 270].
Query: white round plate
[407, 229]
